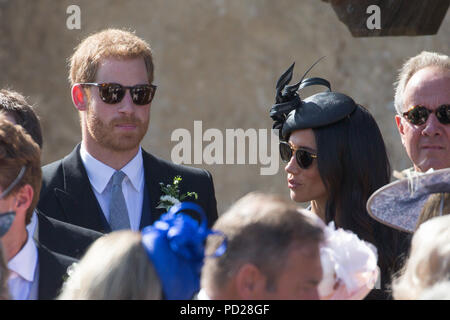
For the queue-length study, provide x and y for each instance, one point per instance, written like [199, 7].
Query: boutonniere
[171, 194]
[69, 272]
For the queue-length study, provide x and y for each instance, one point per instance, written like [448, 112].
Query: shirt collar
[135, 170]
[99, 173]
[25, 261]
[202, 295]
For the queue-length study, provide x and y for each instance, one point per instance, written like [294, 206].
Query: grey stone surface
[216, 61]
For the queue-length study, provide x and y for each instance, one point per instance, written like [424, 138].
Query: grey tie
[118, 213]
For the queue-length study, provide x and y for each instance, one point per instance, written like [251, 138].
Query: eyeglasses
[418, 115]
[14, 183]
[304, 157]
[113, 93]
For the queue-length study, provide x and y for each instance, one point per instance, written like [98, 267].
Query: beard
[106, 135]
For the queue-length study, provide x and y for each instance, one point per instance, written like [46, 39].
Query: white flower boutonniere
[69, 272]
[172, 194]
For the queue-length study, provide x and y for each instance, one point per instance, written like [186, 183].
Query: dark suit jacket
[52, 271]
[64, 238]
[67, 194]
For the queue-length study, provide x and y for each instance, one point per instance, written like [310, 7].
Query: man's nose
[432, 127]
[127, 105]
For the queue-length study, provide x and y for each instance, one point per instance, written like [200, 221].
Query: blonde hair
[116, 267]
[429, 261]
[436, 205]
[440, 291]
[260, 229]
[109, 43]
[411, 66]
[4, 272]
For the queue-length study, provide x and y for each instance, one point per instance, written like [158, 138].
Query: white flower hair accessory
[349, 265]
[171, 195]
[69, 271]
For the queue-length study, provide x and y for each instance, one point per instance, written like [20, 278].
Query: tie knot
[117, 178]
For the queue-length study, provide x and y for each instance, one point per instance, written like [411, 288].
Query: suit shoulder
[57, 261]
[51, 169]
[52, 176]
[181, 169]
[51, 172]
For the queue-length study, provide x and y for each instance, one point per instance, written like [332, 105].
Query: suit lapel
[154, 174]
[51, 273]
[77, 199]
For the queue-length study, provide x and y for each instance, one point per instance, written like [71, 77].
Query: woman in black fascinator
[336, 158]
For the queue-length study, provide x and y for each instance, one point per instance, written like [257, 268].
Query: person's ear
[400, 127]
[24, 198]
[79, 97]
[250, 282]
[398, 121]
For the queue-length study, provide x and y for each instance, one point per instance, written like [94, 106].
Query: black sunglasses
[304, 157]
[113, 93]
[418, 115]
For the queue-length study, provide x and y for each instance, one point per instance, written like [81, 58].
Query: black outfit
[52, 272]
[64, 238]
[67, 195]
[290, 113]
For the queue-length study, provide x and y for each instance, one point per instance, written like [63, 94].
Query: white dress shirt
[32, 226]
[100, 174]
[24, 273]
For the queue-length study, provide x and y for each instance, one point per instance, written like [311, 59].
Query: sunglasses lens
[304, 158]
[111, 93]
[142, 94]
[443, 114]
[418, 115]
[285, 152]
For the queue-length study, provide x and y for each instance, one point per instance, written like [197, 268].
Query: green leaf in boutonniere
[171, 194]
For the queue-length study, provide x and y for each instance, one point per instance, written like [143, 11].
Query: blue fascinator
[175, 245]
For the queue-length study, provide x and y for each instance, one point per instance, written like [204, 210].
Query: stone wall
[216, 61]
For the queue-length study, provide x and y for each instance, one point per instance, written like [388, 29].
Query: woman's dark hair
[353, 164]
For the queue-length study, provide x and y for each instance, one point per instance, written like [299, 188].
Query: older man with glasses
[422, 102]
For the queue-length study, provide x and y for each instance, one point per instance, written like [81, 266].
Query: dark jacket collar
[78, 198]
[79, 201]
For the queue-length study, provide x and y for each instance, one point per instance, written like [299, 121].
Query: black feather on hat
[291, 113]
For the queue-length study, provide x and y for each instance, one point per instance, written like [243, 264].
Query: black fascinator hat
[291, 113]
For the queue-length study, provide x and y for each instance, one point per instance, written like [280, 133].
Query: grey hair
[411, 66]
[429, 260]
[115, 267]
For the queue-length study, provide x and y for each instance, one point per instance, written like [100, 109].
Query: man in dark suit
[35, 271]
[60, 237]
[108, 182]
